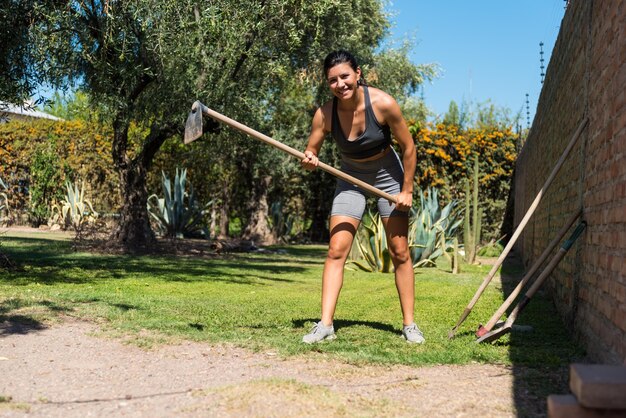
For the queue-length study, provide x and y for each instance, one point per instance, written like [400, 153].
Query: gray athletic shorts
[385, 173]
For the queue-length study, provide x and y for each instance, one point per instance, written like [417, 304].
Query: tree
[489, 115]
[16, 79]
[459, 117]
[146, 61]
[452, 117]
[73, 105]
[19, 75]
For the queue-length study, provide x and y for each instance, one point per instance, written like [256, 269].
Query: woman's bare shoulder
[325, 113]
[381, 99]
[326, 109]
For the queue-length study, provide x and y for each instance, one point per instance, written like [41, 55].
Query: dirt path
[68, 371]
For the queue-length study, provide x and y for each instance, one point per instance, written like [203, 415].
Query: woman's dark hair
[339, 57]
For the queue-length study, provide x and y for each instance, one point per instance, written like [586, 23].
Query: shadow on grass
[13, 319]
[12, 322]
[541, 356]
[49, 262]
[317, 253]
[124, 306]
[345, 323]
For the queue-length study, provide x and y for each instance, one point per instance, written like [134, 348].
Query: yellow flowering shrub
[444, 161]
[83, 149]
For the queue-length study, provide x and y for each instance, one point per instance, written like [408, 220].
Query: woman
[361, 120]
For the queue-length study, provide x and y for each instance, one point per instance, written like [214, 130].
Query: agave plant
[432, 229]
[178, 213]
[75, 209]
[371, 246]
[283, 226]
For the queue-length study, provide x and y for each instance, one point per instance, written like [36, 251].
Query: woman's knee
[337, 252]
[399, 253]
[342, 231]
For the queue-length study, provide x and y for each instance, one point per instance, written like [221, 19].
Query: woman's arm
[316, 139]
[393, 117]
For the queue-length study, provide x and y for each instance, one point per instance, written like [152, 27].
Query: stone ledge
[599, 385]
[566, 406]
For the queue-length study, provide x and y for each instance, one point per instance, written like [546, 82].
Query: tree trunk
[134, 231]
[224, 209]
[213, 225]
[318, 204]
[318, 231]
[258, 229]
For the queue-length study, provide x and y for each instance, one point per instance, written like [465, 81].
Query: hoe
[193, 131]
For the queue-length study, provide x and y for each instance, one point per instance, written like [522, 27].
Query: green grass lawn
[267, 301]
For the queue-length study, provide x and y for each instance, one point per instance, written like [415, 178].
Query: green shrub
[45, 189]
[82, 150]
[446, 160]
[493, 249]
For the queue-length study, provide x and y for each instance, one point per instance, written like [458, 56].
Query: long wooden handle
[546, 272]
[520, 227]
[298, 154]
[559, 236]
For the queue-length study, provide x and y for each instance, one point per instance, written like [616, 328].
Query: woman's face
[342, 80]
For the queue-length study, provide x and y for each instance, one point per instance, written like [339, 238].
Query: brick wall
[586, 78]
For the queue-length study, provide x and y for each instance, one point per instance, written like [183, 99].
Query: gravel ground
[71, 370]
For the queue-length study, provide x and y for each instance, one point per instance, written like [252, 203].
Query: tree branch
[156, 138]
[251, 38]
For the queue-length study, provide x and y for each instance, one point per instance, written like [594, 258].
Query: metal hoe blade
[193, 126]
[495, 334]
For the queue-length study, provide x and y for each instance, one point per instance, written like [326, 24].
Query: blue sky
[487, 49]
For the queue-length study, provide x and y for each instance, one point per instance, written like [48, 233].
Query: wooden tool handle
[298, 154]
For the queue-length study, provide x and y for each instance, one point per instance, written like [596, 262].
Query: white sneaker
[318, 333]
[412, 334]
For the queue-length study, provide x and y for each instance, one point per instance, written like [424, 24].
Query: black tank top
[373, 140]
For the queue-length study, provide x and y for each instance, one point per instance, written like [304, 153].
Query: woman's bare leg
[397, 228]
[342, 231]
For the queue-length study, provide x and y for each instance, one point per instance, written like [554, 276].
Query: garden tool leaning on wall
[504, 329]
[519, 229]
[482, 330]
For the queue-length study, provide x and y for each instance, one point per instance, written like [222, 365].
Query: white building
[13, 112]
